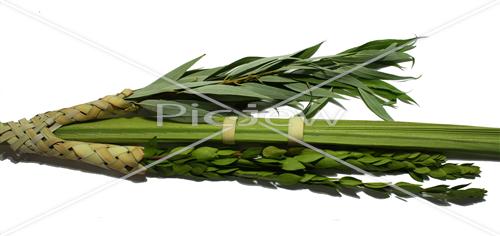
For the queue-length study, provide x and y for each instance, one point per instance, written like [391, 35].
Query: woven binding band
[37, 135]
[295, 130]
[229, 129]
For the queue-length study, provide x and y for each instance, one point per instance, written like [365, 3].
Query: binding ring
[229, 130]
[295, 130]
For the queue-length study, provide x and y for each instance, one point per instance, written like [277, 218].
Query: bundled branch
[268, 81]
[121, 132]
[304, 167]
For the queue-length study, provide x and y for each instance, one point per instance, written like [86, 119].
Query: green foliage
[267, 81]
[301, 166]
[204, 153]
[273, 152]
[292, 164]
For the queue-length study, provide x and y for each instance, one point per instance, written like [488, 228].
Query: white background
[42, 69]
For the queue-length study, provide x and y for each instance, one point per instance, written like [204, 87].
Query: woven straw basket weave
[37, 135]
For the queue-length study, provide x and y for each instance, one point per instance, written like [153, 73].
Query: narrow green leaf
[165, 80]
[198, 76]
[176, 73]
[275, 79]
[222, 89]
[308, 52]
[381, 44]
[179, 108]
[235, 64]
[349, 80]
[315, 107]
[247, 67]
[268, 91]
[374, 105]
[316, 92]
[171, 87]
[372, 74]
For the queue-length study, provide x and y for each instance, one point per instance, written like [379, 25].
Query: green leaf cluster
[267, 81]
[303, 167]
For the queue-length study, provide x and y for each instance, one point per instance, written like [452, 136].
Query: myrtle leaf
[288, 179]
[309, 157]
[350, 181]
[224, 161]
[292, 164]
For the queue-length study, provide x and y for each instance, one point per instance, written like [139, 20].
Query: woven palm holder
[37, 135]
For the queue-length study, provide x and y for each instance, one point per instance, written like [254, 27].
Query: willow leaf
[374, 105]
[269, 91]
[275, 79]
[183, 86]
[179, 109]
[308, 52]
[382, 44]
[364, 56]
[316, 92]
[367, 73]
[349, 80]
[247, 67]
[296, 105]
[165, 80]
[282, 62]
[176, 73]
[234, 64]
[222, 89]
[316, 107]
[309, 80]
[281, 76]
[200, 75]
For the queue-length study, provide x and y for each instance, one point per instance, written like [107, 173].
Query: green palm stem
[374, 134]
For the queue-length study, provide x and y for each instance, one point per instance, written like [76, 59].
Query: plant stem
[376, 134]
